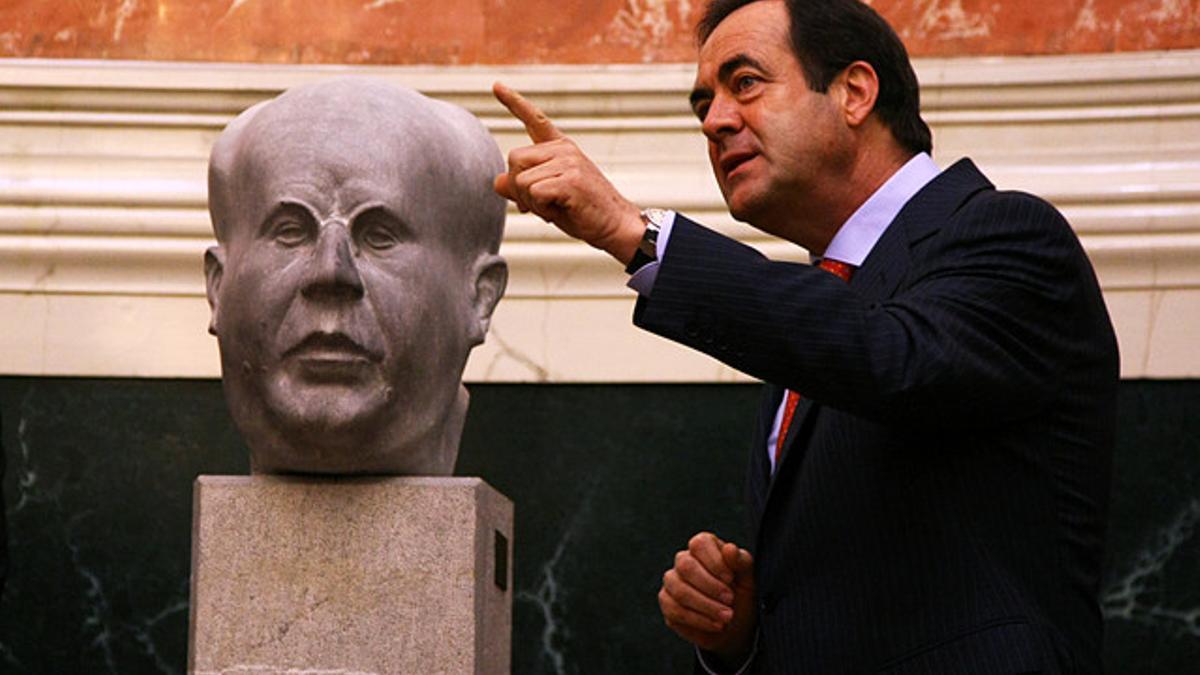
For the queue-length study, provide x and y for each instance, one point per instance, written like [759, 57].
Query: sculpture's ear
[214, 268]
[221, 202]
[491, 277]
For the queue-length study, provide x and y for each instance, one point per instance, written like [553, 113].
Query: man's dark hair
[827, 36]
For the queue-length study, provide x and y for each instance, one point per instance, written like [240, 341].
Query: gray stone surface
[357, 266]
[349, 575]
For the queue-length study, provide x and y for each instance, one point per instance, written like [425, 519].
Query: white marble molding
[103, 221]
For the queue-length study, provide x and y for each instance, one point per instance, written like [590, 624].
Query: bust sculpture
[356, 268]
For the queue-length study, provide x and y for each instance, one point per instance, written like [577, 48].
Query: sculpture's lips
[331, 348]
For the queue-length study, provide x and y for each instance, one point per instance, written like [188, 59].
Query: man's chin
[746, 212]
[744, 201]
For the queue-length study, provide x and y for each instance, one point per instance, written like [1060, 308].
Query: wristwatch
[647, 250]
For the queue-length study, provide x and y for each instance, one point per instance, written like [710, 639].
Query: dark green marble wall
[608, 481]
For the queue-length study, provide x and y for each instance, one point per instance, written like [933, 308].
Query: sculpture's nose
[333, 273]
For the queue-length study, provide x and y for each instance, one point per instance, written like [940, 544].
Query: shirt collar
[857, 236]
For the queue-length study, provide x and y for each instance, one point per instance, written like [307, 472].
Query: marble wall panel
[608, 481]
[542, 31]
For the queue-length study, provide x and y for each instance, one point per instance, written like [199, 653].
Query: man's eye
[289, 232]
[744, 82]
[701, 111]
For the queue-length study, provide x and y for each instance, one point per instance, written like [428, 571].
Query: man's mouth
[732, 160]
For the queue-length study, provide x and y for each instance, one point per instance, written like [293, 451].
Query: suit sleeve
[991, 308]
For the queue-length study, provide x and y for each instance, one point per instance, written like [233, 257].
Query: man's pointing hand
[537, 125]
[555, 180]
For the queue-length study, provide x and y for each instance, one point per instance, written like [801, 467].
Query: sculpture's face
[345, 309]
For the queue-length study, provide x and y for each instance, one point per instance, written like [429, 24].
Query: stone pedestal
[362, 575]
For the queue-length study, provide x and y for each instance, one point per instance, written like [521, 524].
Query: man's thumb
[500, 185]
[737, 559]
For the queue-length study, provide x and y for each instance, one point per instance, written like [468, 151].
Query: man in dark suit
[929, 481]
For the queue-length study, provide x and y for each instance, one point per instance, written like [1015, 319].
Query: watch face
[654, 217]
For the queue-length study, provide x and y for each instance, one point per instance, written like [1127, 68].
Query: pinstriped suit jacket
[941, 503]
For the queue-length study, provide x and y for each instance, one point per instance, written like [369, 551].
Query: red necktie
[843, 271]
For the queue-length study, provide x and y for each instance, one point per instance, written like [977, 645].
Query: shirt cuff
[642, 280]
[740, 671]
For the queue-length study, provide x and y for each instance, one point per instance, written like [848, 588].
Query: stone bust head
[355, 269]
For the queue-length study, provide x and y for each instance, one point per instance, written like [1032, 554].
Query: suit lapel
[886, 267]
[877, 279]
[804, 410]
[758, 476]
[923, 216]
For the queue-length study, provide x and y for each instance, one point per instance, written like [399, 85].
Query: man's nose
[722, 118]
[333, 273]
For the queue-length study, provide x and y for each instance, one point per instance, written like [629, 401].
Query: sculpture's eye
[289, 233]
[290, 226]
[379, 237]
[377, 230]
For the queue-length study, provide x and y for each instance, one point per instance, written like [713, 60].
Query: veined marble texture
[98, 499]
[608, 482]
[1151, 595]
[543, 31]
[1137, 595]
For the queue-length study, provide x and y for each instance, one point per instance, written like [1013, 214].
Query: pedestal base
[362, 575]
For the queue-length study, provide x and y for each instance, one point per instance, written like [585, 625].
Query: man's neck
[813, 225]
[872, 169]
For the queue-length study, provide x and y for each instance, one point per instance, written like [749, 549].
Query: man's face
[344, 311]
[771, 139]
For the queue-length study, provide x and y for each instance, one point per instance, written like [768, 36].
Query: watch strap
[647, 250]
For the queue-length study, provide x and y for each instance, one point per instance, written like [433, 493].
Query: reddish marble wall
[542, 31]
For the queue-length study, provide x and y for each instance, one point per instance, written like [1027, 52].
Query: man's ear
[491, 278]
[859, 85]
[214, 268]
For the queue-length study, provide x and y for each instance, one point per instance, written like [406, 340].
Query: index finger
[537, 125]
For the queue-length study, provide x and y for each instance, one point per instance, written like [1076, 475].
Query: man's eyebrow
[736, 62]
[723, 73]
